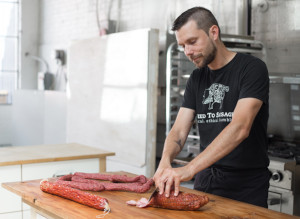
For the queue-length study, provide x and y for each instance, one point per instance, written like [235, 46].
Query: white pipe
[39, 60]
[241, 17]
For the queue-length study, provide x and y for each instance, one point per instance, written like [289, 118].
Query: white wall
[5, 125]
[63, 21]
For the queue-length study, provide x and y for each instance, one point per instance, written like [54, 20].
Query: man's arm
[231, 136]
[173, 145]
[236, 131]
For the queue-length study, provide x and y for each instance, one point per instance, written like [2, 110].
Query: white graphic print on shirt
[214, 94]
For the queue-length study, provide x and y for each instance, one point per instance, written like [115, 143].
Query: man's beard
[208, 58]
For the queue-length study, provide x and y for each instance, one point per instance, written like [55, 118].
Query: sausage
[76, 195]
[82, 186]
[91, 185]
[82, 181]
[184, 201]
[113, 178]
[131, 187]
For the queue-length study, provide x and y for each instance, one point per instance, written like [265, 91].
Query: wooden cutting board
[58, 207]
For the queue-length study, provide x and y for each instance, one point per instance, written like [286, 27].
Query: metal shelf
[284, 80]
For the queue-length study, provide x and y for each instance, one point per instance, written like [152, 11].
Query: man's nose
[188, 51]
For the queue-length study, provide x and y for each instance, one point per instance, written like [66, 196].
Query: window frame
[6, 97]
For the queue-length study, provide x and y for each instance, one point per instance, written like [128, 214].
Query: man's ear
[214, 32]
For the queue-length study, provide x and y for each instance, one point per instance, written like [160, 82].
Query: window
[9, 48]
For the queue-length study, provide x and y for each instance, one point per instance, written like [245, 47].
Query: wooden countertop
[13, 155]
[58, 207]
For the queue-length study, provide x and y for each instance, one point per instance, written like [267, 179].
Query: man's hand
[167, 177]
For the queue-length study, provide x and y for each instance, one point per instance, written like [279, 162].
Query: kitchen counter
[16, 155]
[56, 207]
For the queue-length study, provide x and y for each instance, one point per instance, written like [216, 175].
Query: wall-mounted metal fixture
[263, 6]
[60, 56]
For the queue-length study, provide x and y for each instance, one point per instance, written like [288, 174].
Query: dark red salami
[113, 178]
[76, 195]
[184, 201]
[93, 185]
[86, 181]
[132, 187]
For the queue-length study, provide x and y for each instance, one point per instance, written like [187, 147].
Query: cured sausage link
[131, 187]
[92, 185]
[184, 201]
[66, 177]
[113, 178]
[76, 195]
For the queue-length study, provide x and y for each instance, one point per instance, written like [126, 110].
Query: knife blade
[155, 190]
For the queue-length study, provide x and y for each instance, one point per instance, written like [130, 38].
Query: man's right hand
[167, 179]
[160, 177]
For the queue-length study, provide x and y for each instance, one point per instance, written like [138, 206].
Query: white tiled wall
[63, 21]
[278, 27]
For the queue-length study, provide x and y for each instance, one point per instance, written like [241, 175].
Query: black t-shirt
[213, 94]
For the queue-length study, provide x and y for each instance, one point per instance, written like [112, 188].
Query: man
[228, 95]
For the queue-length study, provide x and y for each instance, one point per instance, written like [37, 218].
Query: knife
[155, 190]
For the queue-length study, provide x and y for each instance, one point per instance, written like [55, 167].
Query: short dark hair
[204, 18]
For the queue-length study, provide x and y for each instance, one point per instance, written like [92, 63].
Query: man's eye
[180, 48]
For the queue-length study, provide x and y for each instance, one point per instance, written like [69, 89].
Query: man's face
[198, 46]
